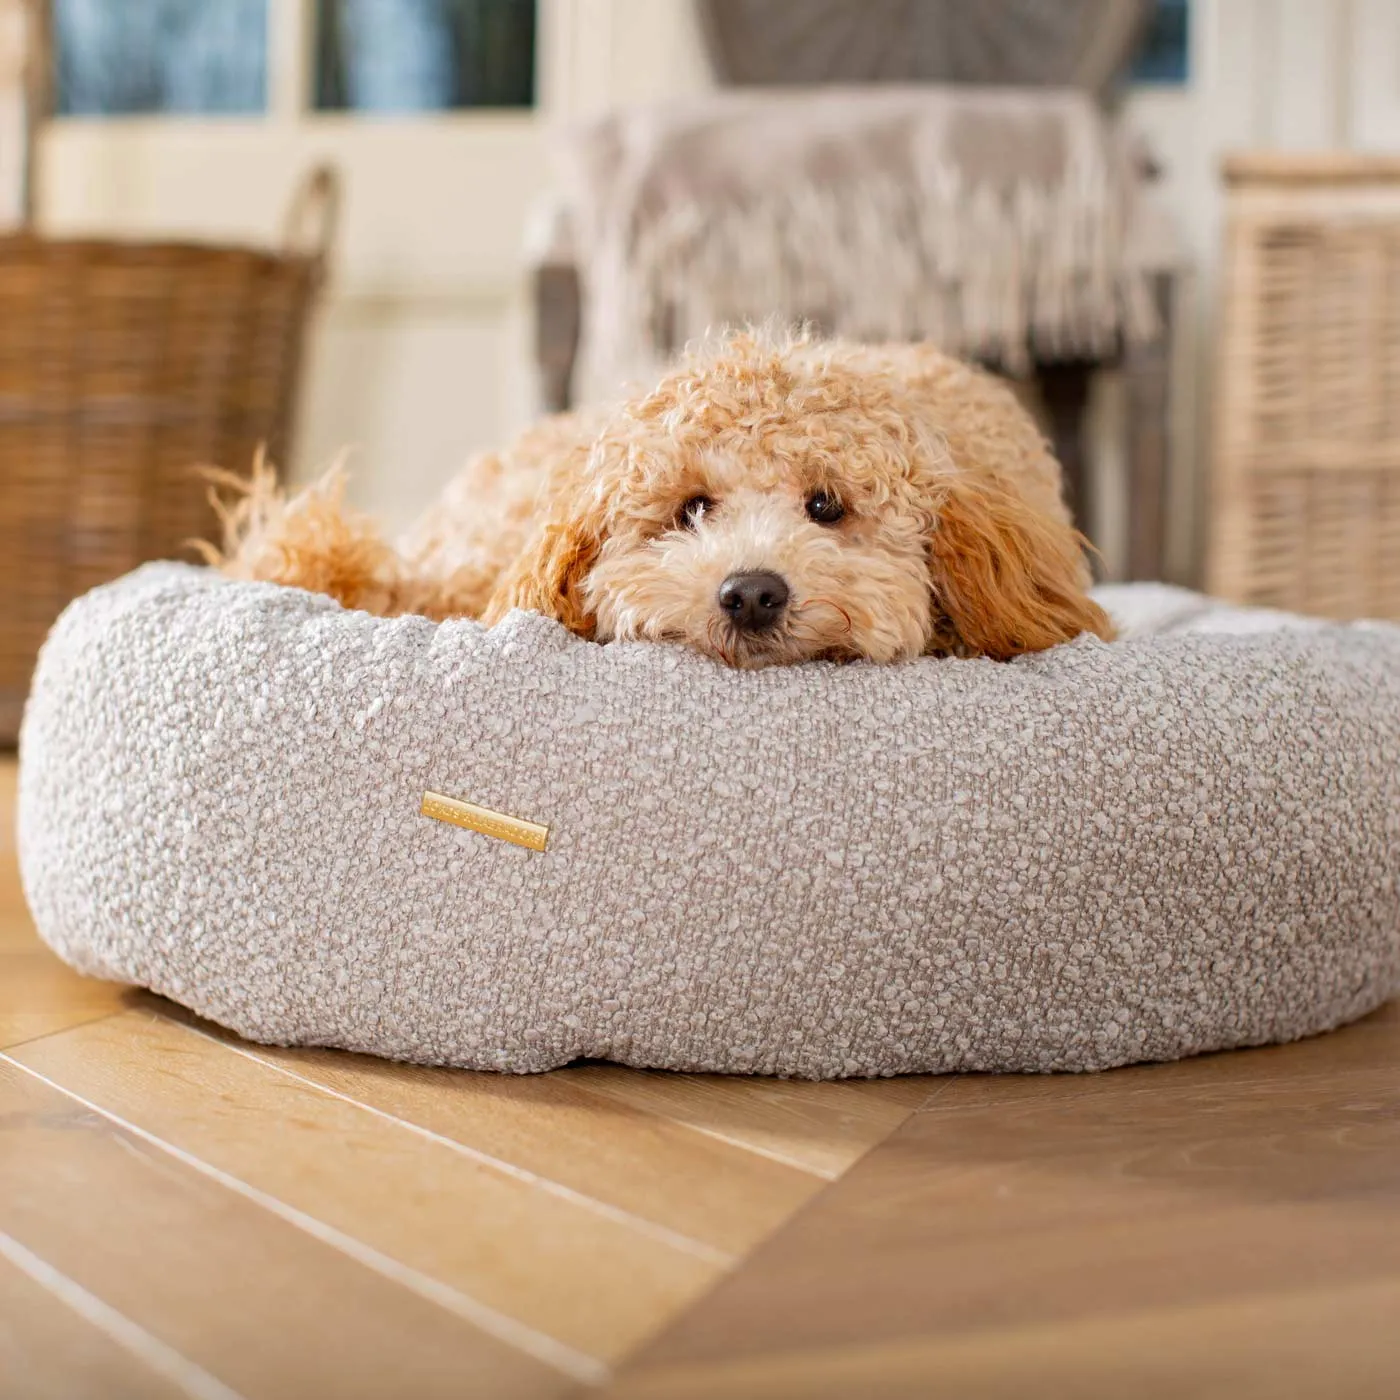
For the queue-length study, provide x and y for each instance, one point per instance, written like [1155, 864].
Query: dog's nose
[753, 602]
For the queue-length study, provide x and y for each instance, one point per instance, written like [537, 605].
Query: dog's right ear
[1007, 578]
[547, 576]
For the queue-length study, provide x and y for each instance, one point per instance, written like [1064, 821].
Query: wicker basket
[1307, 471]
[123, 368]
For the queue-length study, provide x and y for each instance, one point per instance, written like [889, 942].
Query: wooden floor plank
[673, 1176]
[820, 1128]
[1101, 1207]
[576, 1276]
[49, 1352]
[1338, 1343]
[248, 1298]
[39, 995]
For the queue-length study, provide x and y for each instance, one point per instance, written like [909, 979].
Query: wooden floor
[185, 1214]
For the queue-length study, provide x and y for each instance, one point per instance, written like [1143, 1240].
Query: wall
[422, 350]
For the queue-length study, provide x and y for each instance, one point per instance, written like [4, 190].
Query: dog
[770, 501]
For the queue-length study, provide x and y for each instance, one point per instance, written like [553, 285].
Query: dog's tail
[310, 539]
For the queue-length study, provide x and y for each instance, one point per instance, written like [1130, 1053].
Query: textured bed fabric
[1185, 840]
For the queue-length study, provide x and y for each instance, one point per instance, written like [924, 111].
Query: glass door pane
[126, 57]
[424, 55]
[1165, 53]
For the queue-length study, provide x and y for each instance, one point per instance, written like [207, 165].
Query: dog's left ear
[1007, 578]
[548, 575]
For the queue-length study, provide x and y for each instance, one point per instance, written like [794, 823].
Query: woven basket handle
[313, 217]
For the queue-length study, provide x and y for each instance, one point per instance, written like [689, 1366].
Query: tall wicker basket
[1306, 509]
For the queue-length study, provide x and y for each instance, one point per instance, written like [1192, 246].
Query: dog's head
[777, 503]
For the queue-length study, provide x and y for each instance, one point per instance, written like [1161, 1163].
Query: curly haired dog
[767, 502]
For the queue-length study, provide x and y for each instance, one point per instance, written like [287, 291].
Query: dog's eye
[824, 508]
[689, 514]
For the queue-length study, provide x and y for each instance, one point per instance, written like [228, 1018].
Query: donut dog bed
[508, 848]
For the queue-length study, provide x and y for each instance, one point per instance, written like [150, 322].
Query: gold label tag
[470, 817]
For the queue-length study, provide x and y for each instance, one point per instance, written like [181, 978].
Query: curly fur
[955, 539]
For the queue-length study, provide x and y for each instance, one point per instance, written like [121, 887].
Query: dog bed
[1186, 840]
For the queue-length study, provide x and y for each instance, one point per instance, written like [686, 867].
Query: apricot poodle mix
[768, 502]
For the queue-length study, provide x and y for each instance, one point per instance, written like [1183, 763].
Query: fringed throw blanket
[1001, 223]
